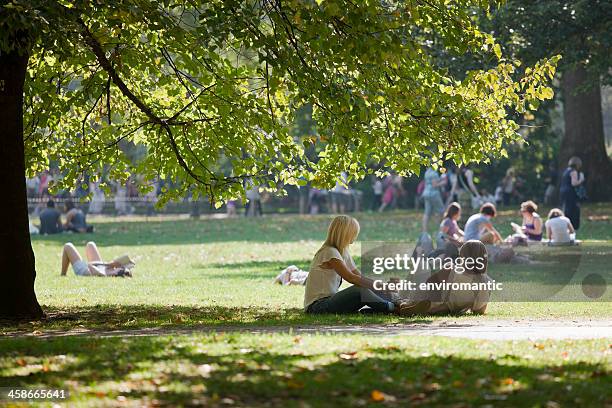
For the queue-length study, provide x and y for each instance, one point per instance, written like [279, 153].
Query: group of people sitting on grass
[558, 228]
[51, 219]
[333, 264]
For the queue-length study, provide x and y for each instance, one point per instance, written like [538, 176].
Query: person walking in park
[121, 197]
[432, 197]
[230, 208]
[253, 205]
[340, 195]
[464, 189]
[450, 178]
[572, 183]
[332, 264]
[377, 189]
[508, 185]
[479, 226]
[316, 199]
[43, 186]
[551, 184]
[98, 198]
[32, 186]
[389, 194]
[50, 219]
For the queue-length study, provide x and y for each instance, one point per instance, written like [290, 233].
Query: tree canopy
[200, 82]
[581, 31]
[577, 29]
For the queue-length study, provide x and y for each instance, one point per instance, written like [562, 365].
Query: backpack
[581, 193]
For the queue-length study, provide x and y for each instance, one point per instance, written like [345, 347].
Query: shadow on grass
[64, 320]
[218, 369]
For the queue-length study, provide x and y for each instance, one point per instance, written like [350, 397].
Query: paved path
[524, 329]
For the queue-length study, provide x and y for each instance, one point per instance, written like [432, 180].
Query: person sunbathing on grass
[333, 263]
[94, 266]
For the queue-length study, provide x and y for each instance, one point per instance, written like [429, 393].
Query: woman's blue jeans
[350, 300]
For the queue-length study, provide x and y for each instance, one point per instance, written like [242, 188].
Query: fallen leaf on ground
[379, 396]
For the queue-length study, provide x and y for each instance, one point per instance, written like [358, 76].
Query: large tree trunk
[584, 134]
[17, 297]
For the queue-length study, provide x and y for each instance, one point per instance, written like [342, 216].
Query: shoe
[413, 308]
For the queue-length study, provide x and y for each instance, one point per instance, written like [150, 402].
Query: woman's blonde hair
[529, 206]
[342, 231]
[554, 213]
[475, 249]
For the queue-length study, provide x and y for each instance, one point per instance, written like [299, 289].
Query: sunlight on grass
[247, 370]
[216, 274]
[229, 264]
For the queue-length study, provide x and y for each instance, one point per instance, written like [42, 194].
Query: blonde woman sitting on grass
[332, 264]
[94, 266]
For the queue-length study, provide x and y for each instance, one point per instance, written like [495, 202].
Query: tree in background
[204, 82]
[581, 31]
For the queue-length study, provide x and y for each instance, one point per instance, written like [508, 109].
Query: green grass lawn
[218, 272]
[213, 271]
[314, 370]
